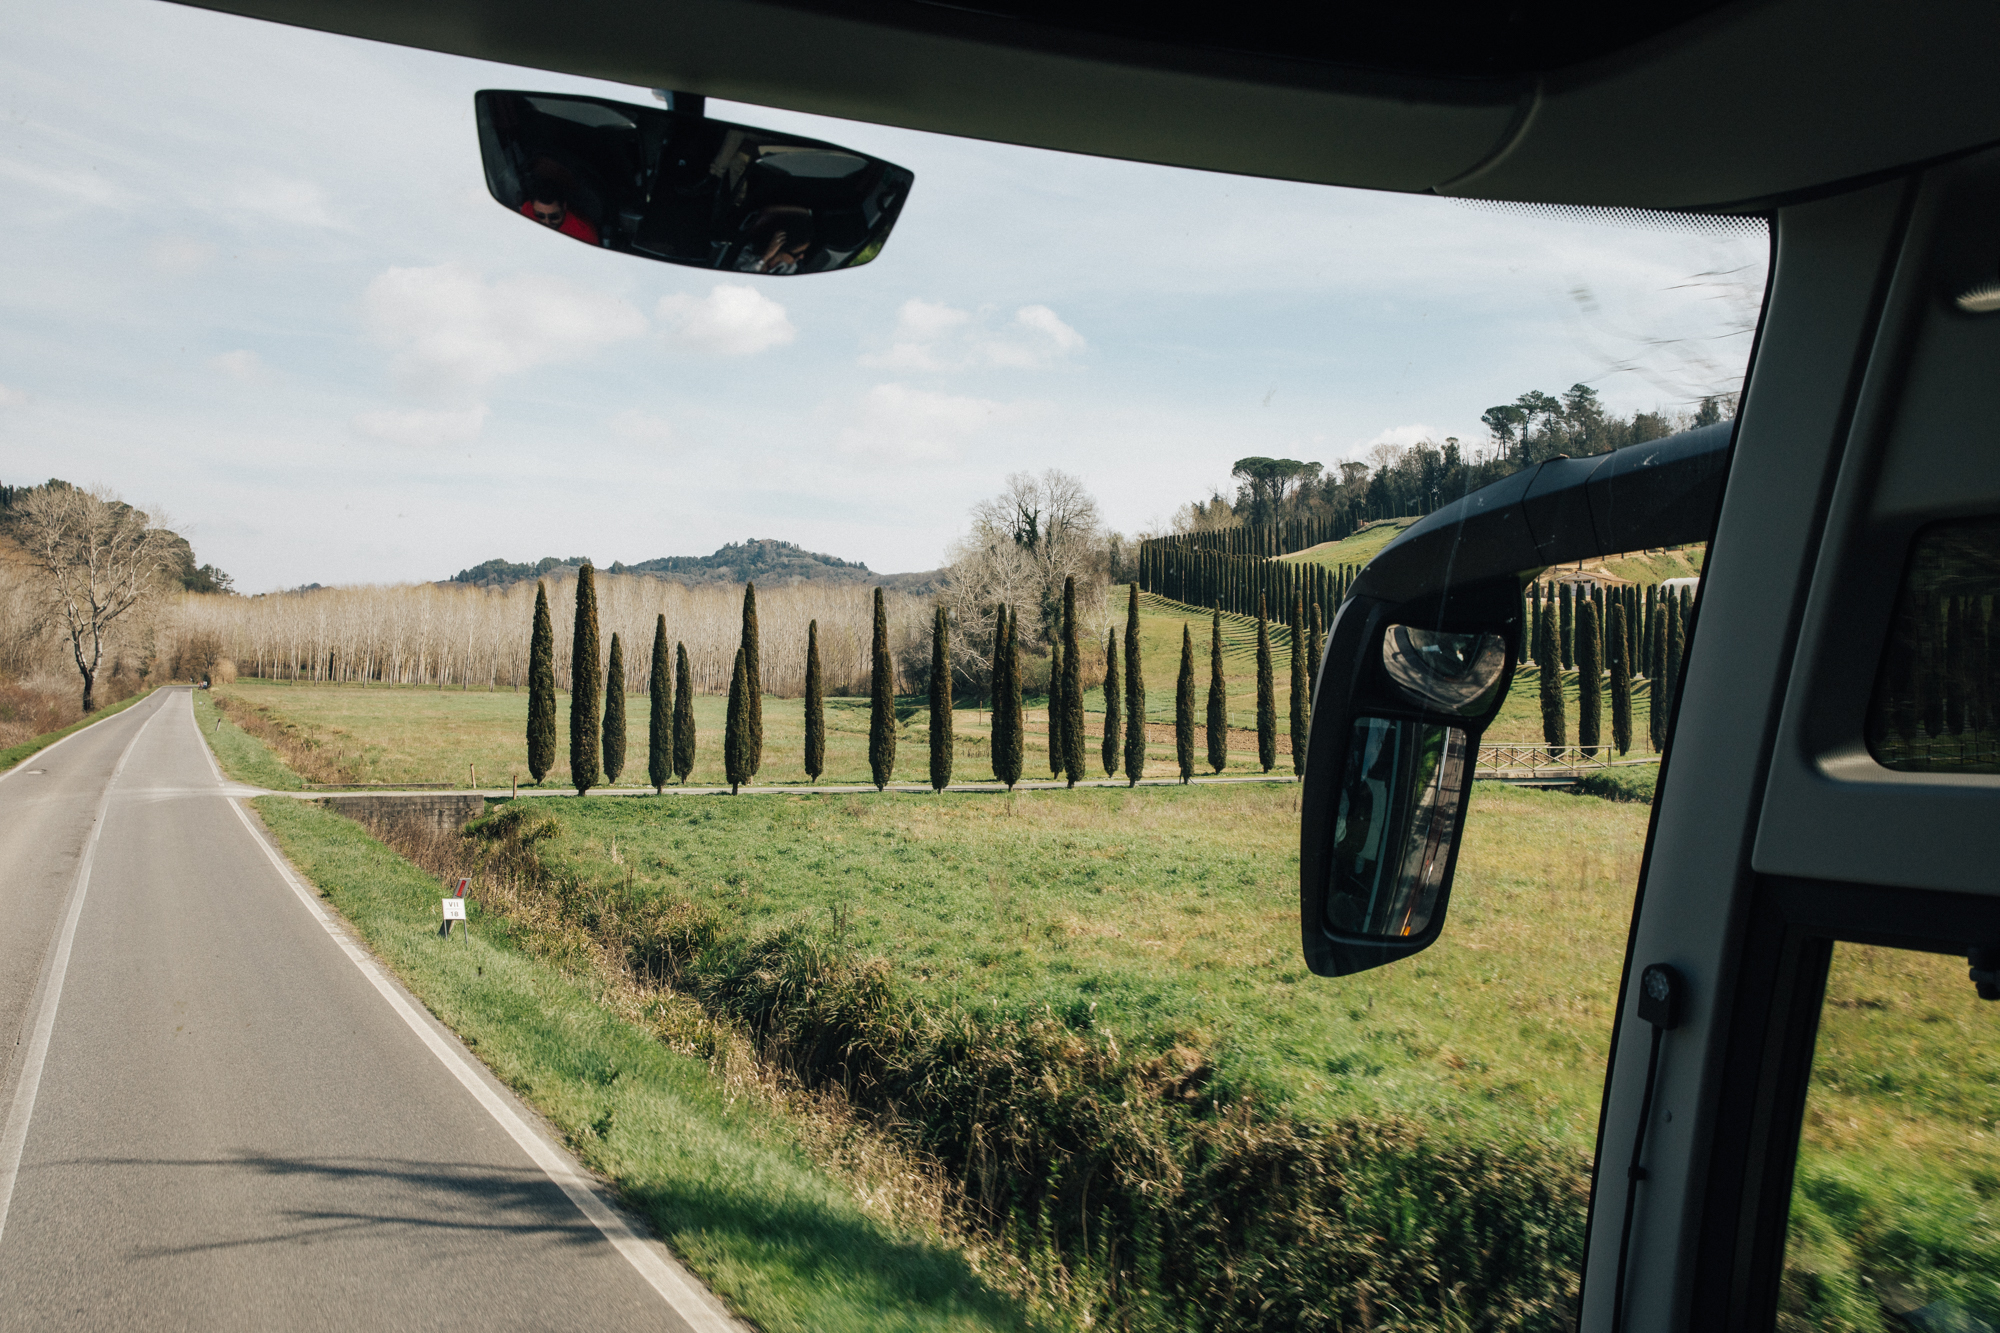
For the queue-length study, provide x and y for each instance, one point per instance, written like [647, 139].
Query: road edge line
[14, 1136]
[22, 762]
[665, 1276]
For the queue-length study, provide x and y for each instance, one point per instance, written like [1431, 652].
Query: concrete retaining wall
[448, 812]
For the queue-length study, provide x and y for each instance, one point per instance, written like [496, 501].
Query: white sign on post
[454, 909]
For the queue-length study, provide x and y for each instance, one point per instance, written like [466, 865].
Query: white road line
[24, 762]
[663, 1274]
[14, 1138]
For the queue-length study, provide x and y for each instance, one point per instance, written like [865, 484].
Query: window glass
[1938, 690]
[1895, 1217]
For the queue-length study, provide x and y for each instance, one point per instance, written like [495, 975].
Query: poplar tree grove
[614, 713]
[736, 728]
[1589, 678]
[1218, 698]
[1301, 692]
[1621, 677]
[815, 707]
[1184, 706]
[1554, 731]
[881, 702]
[1009, 739]
[684, 737]
[1114, 735]
[1135, 693]
[1267, 693]
[660, 712]
[584, 684]
[941, 738]
[541, 690]
[753, 679]
[1072, 690]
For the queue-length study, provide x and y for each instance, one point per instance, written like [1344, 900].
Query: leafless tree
[97, 558]
[1052, 521]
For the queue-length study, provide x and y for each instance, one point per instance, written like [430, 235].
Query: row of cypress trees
[1609, 651]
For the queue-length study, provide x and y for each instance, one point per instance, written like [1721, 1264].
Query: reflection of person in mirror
[548, 204]
[775, 239]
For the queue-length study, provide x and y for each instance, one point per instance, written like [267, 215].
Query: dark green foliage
[815, 707]
[1315, 649]
[660, 714]
[1055, 729]
[1566, 625]
[1533, 651]
[1656, 676]
[1184, 706]
[1114, 736]
[881, 701]
[753, 678]
[1555, 733]
[941, 737]
[997, 692]
[1135, 693]
[585, 684]
[684, 737]
[1009, 739]
[1267, 694]
[1620, 649]
[1589, 679]
[736, 728]
[1524, 650]
[1072, 691]
[1676, 651]
[1218, 699]
[1301, 692]
[541, 690]
[614, 713]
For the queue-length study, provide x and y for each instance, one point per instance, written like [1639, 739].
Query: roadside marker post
[454, 907]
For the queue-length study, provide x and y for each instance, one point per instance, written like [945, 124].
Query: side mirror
[675, 186]
[1418, 661]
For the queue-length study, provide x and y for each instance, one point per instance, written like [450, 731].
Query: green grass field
[1357, 549]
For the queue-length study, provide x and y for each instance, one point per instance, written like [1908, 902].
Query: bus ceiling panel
[1673, 105]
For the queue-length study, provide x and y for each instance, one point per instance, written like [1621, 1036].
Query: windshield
[816, 750]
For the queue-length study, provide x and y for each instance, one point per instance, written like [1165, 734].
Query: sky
[251, 279]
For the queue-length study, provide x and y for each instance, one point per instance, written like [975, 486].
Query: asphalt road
[227, 1121]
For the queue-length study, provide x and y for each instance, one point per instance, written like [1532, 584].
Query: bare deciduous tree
[97, 558]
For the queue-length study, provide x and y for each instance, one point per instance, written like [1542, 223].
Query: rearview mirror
[680, 188]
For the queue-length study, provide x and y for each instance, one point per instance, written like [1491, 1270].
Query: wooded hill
[761, 560]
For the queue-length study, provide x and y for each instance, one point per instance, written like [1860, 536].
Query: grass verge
[242, 755]
[14, 754]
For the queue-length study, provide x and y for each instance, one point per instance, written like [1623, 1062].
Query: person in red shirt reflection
[546, 205]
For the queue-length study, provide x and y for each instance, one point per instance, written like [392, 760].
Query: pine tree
[1301, 692]
[941, 736]
[660, 716]
[1621, 678]
[614, 713]
[815, 707]
[1184, 706]
[684, 737]
[1072, 689]
[1589, 679]
[541, 690]
[736, 728]
[1555, 734]
[753, 679]
[1009, 740]
[584, 685]
[881, 702]
[1218, 698]
[1267, 693]
[1114, 735]
[1135, 693]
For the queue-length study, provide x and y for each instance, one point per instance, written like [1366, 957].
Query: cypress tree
[1056, 706]
[1301, 691]
[1218, 698]
[941, 737]
[753, 679]
[1554, 732]
[881, 702]
[1267, 693]
[614, 713]
[541, 690]
[1566, 625]
[1315, 649]
[815, 707]
[997, 692]
[584, 684]
[1114, 734]
[1621, 678]
[1589, 679]
[1525, 649]
[1534, 650]
[1656, 696]
[660, 716]
[736, 728]
[1072, 690]
[684, 737]
[1184, 706]
[1009, 739]
[1135, 694]
[1676, 646]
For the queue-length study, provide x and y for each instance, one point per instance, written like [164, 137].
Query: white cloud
[82, 187]
[1402, 437]
[732, 320]
[423, 429]
[12, 397]
[642, 426]
[933, 337]
[240, 365]
[898, 423]
[293, 202]
[451, 329]
[180, 254]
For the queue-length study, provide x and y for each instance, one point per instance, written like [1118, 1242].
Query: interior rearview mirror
[675, 186]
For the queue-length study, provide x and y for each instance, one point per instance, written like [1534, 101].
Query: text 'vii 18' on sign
[454, 909]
